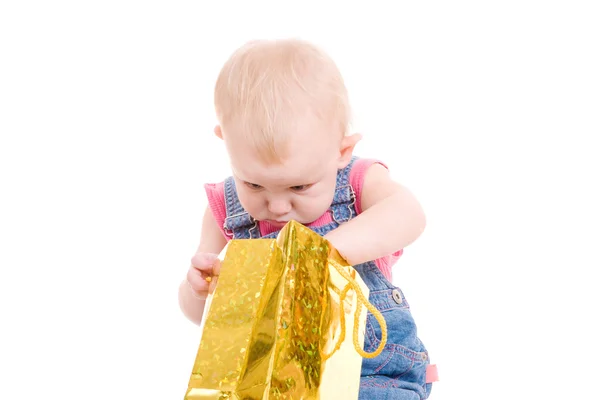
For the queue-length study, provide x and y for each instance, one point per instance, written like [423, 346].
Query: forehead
[305, 164]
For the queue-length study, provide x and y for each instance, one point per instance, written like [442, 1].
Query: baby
[283, 115]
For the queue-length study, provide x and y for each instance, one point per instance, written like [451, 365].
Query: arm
[212, 242]
[392, 218]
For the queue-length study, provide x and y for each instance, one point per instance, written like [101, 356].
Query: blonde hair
[266, 87]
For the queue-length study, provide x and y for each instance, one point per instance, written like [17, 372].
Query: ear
[218, 132]
[347, 149]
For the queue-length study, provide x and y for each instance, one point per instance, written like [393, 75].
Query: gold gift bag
[285, 321]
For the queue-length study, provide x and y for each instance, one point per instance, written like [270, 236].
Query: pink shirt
[216, 200]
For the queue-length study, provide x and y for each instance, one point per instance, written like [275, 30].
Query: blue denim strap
[238, 223]
[342, 207]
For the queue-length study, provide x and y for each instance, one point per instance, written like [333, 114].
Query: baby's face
[301, 188]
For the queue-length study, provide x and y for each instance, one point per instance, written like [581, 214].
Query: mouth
[275, 223]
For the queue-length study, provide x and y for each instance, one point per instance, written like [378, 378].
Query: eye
[253, 186]
[300, 188]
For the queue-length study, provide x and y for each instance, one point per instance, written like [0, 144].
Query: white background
[488, 111]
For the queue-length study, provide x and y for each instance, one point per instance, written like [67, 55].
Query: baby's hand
[205, 267]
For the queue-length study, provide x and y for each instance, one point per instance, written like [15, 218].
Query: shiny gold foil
[274, 319]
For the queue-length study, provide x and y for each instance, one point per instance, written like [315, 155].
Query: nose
[279, 207]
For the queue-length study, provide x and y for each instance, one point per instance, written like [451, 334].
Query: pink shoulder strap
[215, 193]
[357, 177]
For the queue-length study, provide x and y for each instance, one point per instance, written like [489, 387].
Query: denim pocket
[403, 350]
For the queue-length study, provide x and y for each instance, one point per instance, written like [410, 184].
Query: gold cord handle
[362, 300]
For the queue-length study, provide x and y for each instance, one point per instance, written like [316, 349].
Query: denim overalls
[398, 373]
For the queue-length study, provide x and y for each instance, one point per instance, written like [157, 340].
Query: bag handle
[362, 301]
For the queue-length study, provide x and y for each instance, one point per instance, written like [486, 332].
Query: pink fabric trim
[431, 374]
[357, 179]
[215, 193]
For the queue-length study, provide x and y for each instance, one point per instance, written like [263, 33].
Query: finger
[204, 261]
[208, 269]
[198, 295]
[197, 281]
[216, 267]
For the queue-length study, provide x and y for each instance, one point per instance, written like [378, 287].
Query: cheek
[250, 201]
[319, 202]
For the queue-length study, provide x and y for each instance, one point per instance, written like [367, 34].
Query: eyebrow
[313, 180]
[289, 186]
